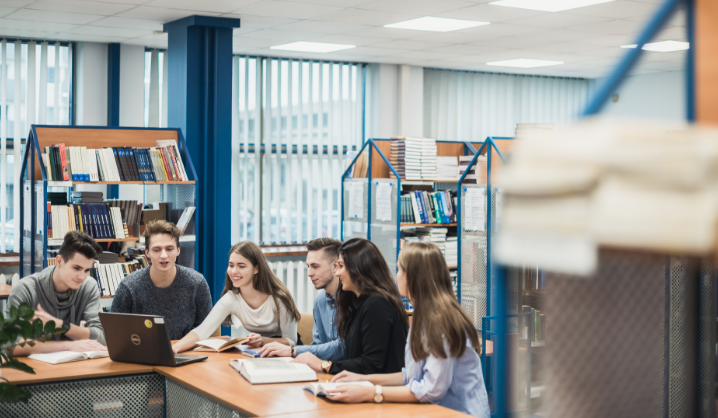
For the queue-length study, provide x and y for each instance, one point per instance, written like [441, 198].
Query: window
[155, 92]
[42, 96]
[293, 122]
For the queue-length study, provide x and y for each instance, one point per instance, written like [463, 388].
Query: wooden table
[10, 261]
[5, 291]
[218, 383]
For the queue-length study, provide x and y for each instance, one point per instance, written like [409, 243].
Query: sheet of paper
[499, 207]
[356, 200]
[27, 208]
[383, 202]
[474, 208]
[41, 211]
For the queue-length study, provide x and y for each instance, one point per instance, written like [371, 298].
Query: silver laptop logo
[135, 339]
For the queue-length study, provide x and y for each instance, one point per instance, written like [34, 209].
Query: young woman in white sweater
[256, 296]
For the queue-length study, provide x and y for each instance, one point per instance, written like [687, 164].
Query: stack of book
[451, 254]
[477, 173]
[523, 129]
[428, 159]
[87, 197]
[447, 168]
[99, 220]
[397, 157]
[423, 207]
[80, 164]
[436, 236]
[108, 276]
[414, 158]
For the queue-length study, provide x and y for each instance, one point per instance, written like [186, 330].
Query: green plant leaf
[50, 327]
[13, 363]
[26, 312]
[37, 327]
[12, 393]
[26, 329]
[31, 343]
[13, 313]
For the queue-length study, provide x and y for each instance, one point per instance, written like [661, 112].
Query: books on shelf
[321, 389]
[477, 173]
[413, 158]
[533, 128]
[274, 370]
[106, 220]
[218, 345]
[539, 323]
[437, 236]
[424, 207]
[184, 219]
[447, 168]
[60, 357]
[115, 164]
[108, 276]
[361, 166]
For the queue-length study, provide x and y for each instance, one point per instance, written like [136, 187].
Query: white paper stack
[447, 168]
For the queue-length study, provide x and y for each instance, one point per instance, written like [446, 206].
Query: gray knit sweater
[82, 304]
[184, 304]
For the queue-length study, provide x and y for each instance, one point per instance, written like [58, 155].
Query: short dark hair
[329, 245]
[160, 226]
[79, 242]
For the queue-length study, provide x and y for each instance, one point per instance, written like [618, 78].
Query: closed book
[63, 162]
[60, 357]
[87, 194]
[120, 165]
[133, 164]
[274, 370]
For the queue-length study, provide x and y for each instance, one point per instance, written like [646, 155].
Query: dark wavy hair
[371, 276]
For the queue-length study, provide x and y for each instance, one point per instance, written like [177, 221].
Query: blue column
[113, 100]
[200, 104]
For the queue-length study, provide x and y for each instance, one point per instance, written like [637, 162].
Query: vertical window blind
[155, 91]
[293, 122]
[35, 88]
[470, 106]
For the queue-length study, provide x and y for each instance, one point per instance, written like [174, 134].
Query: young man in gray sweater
[179, 294]
[64, 294]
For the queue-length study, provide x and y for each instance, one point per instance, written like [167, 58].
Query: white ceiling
[587, 39]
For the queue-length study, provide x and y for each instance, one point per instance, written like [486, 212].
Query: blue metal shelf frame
[486, 147]
[371, 143]
[25, 172]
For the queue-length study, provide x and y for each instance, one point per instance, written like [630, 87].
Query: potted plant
[19, 323]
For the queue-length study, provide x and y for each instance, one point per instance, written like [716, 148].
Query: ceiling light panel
[548, 5]
[663, 46]
[436, 24]
[524, 63]
[320, 47]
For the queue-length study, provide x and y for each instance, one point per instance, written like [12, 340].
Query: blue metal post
[368, 196]
[113, 100]
[502, 381]
[488, 225]
[690, 60]
[200, 62]
[606, 89]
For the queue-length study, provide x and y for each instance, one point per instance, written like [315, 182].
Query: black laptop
[142, 339]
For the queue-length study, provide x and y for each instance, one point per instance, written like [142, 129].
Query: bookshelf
[34, 244]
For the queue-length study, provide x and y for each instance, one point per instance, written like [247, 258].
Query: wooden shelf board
[427, 225]
[452, 267]
[184, 238]
[107, 297]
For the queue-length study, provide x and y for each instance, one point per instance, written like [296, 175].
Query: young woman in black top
[371, 319]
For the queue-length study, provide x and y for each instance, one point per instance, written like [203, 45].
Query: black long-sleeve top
[376, 339]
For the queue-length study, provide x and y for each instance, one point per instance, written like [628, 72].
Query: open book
[274, 370]
[218, 345]
[320, 389]
[67, 356]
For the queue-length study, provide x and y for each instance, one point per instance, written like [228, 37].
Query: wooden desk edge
[141, 369]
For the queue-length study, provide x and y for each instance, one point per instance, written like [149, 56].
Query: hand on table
[275, 349]
[85, 345]
[46, 317]
[352, 393]
[254, 340]
[347, 376]
[314, 362]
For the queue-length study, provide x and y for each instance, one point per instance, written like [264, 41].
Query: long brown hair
[264, 281]
[371, 276]
[437, 314]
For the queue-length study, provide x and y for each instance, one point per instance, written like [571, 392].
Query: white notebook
[320, 389]
[67, 356]
[274, 370]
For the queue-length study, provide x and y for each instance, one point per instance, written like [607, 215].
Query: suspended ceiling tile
[90, 38]
[430, 55]
[253, 42]
[15, 3]
[135, 2]
[44, 27]
[468, 49]
[386, 33]
[322, 27]
[105, 31]
[612, 40]
[408, 45]
[280, 35]
[612, 27]
[287, 9]
[349, 39]
[491, 13]
[244, 31]
[499, 30]
[507, 42]
[569, 47]
[456, 37]
[73, 6]
[675, 33]
[26, 33]
[557, 20]
[56, 17]
[4, 11]
[125, 22]
[610, 52]
[218, 6]
[620, 9]
[335, 3]
[368, 17]
[425, 7]
[565, 35]
[263, 22]
[367, 50]
[162, 14]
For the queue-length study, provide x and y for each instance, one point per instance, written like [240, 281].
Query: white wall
[132, 103]
[91, 98]
[395, 101]
[653, 96]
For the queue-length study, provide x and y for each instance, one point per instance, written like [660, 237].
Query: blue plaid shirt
[326, 344]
